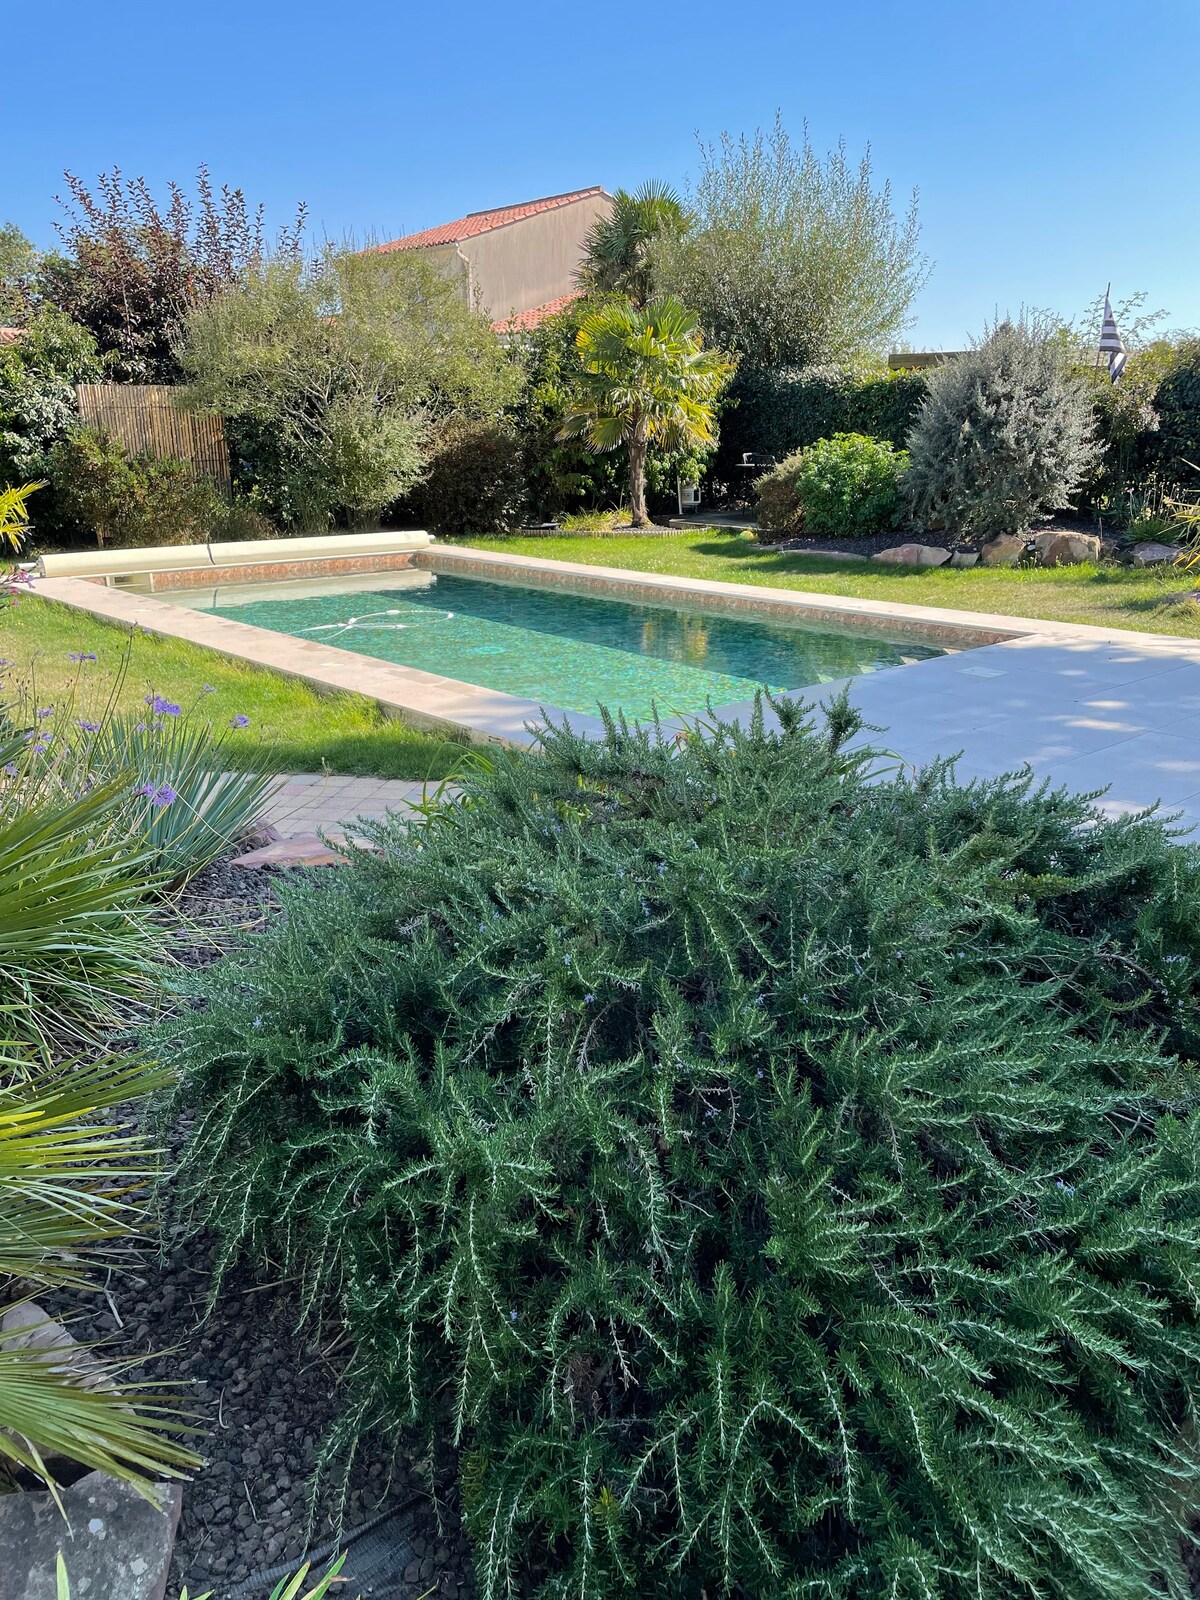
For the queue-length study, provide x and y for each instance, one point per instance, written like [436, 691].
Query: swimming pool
[570, 650]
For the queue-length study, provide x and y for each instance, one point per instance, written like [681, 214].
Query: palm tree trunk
[637, 479]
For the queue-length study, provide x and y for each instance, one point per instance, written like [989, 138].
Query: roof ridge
[541, 200]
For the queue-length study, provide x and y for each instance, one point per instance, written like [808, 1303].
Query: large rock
[964, 558]
[1067, 549]
[915, 555]
[1152, 555]
[116, 1545]
[1003, 551]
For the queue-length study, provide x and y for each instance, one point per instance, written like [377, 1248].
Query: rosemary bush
[778, 1181]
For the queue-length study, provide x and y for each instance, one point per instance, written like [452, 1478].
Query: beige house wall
[518, 267]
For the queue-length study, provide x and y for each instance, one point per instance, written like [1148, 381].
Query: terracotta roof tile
[524, 320]
[485, 221]
[11, 335]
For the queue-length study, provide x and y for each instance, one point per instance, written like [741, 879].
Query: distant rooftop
[11, 335]
[477, 222]
[524, 320]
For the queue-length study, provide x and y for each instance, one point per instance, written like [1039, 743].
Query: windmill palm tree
[647, 379]
[617, 250]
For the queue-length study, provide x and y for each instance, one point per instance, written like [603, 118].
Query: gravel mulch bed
[263, 1387]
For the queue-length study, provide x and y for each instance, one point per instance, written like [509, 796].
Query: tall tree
[617, 251]
[133, 269]
[647, 379]
[795, 258]
[332, 372]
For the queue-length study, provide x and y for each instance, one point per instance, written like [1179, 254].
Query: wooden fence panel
[145, 419]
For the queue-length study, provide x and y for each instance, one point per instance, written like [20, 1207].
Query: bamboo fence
[145, 419]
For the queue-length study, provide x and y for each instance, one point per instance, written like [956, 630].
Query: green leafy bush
[1005, 432]
[843, 486]
[129, 500]
[778, 1182]
[475, 482]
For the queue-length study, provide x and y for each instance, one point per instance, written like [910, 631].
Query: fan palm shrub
[617, 250]
[647, 379]
[69, 1174]
[779, 1180]
[97, 820]
[14, 514]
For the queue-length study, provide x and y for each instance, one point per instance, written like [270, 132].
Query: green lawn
[292, 728]
[1113, 597]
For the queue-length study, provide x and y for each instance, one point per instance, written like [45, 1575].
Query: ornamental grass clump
[778, 1180]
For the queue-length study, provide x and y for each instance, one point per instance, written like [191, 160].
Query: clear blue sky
[1054, 143]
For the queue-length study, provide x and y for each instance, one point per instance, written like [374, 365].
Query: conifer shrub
[778, 1180]
[1004, 434]
[843, 486]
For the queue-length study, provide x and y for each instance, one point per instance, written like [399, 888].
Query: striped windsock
[1110, 343]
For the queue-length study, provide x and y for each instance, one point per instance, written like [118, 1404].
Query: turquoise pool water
[568, 650]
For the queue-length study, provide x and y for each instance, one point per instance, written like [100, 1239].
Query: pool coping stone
[480, 715]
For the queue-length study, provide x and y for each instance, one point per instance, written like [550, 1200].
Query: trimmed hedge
[1174, 451]
[777, 413]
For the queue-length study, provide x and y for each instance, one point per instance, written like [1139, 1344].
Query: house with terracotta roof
[517, 263]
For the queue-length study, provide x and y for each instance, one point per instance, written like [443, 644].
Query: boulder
[301, 850]
[1152, 555]
[915, 555]
[964, 558]
[116, 1545]
[1067, 549]
[1003, 551]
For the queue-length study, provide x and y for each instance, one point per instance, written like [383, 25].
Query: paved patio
[305, 802]
[1087, 714]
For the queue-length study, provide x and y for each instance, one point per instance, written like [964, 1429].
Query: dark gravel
[264, 1388]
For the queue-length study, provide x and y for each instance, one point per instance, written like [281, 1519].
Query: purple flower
[208, 689]
[161, 706]
[81, 655]
[240, 721]
[160, 796]
[11, 768]
[88, 727]
[44, 712]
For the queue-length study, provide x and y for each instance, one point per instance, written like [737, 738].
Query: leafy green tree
[647, 378]
[38, 375]
[18, 275]
[618, 249]
[795, 258]
[781, 1182]
[1006, 431]
[332, 373]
